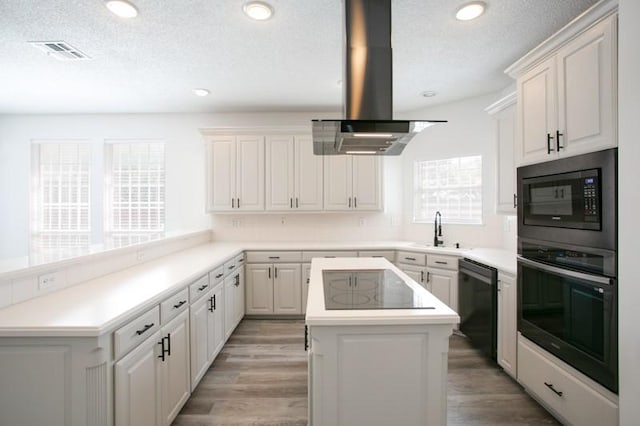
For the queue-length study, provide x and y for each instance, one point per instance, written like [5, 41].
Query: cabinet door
[537, 115]
[308, 175]
[586, 90]
[338, 182]
[199, 332]
[229, 305]
[221, 173]
[287, 289]
[239, 297]
[306, 274]
[259, 288]
[216, 321]
[279, 177]
[250, 173]
[443, 284]
[137, 385]
[415, 272]
[176, 383]
[367, 183]
[507, 323]
[506, 126]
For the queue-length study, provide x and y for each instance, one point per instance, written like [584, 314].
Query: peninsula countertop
[317, 314]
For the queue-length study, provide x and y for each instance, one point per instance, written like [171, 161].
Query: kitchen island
[378, 344]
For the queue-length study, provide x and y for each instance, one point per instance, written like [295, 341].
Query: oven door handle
[564, 272]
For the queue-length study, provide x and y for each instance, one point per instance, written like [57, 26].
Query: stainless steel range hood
[369, 127]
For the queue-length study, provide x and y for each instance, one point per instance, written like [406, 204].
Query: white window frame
[118, 237]
[38, 250]
[442, 175]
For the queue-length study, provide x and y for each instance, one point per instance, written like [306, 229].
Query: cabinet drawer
[390, 255]
[229, 266]
[174, 305]
[198, 288]
[442, 262]
[578, 403]
[308, 255]
[411, 258]
[136, 331]
[240, 260]
[217, 275]
[273, 256]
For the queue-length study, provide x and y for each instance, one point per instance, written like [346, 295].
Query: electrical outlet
[140, 255]
[282, 220]
[362, 221]
[46, 281]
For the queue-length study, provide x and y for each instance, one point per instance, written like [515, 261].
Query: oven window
[567, 308]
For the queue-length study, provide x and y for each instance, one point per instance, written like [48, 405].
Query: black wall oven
[567, 268]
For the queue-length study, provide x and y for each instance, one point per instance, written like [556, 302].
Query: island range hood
[369, 127]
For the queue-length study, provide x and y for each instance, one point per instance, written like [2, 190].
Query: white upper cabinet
[235, 173]
[352, 183]
[567, 88]
[504, 114]
[293, 174]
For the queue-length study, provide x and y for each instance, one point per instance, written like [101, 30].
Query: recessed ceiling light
[258, 10]
[201, 92]
[470, 11]
[122, 8]
[428, 94]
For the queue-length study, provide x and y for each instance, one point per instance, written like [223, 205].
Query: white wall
[629, 196]
[185, 191]
[470, 131]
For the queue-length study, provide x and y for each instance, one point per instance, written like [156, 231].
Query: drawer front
[217, 275]
[136, 331]
[198, 288]
[229, 267]
[240, 260]
[578, 403]
[308, 255]
[411, 258]
[390, 255]
[171, 307]
[273, 256]
[442, 262]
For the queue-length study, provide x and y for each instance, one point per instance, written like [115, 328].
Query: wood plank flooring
[260, 378]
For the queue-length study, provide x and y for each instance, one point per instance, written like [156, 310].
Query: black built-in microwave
[570, 200]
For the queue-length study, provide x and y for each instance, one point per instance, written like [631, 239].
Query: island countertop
[317, 314]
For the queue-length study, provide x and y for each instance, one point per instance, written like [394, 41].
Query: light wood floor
[260, 378]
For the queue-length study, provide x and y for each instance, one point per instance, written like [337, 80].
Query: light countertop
[100, 305]
[318, 315]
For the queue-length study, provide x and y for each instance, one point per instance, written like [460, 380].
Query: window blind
[61, 196]
[452, 186]
[136, 189]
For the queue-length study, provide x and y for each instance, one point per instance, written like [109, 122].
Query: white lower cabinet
[233, 301]
[152, 381]
[207, 332]
[443, 284]
[306, 277]
[274, 288]
[569, 395]
[507, 323]
[417, 273]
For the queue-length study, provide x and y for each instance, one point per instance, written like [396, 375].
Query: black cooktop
[370, 289]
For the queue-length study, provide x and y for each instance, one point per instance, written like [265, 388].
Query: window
[60, 199]
[452, 186]
[134, 190]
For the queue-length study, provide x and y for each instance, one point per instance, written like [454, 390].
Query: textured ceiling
[291, 62]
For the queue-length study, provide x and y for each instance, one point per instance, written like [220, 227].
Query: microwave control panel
[590, 192]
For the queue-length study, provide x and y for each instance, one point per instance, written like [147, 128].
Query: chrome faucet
[437, 230]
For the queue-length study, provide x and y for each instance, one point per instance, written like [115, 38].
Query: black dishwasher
[478, 305]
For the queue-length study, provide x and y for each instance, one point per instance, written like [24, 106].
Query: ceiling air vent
[60, 50]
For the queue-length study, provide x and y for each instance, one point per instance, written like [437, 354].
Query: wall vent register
[371, 289]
